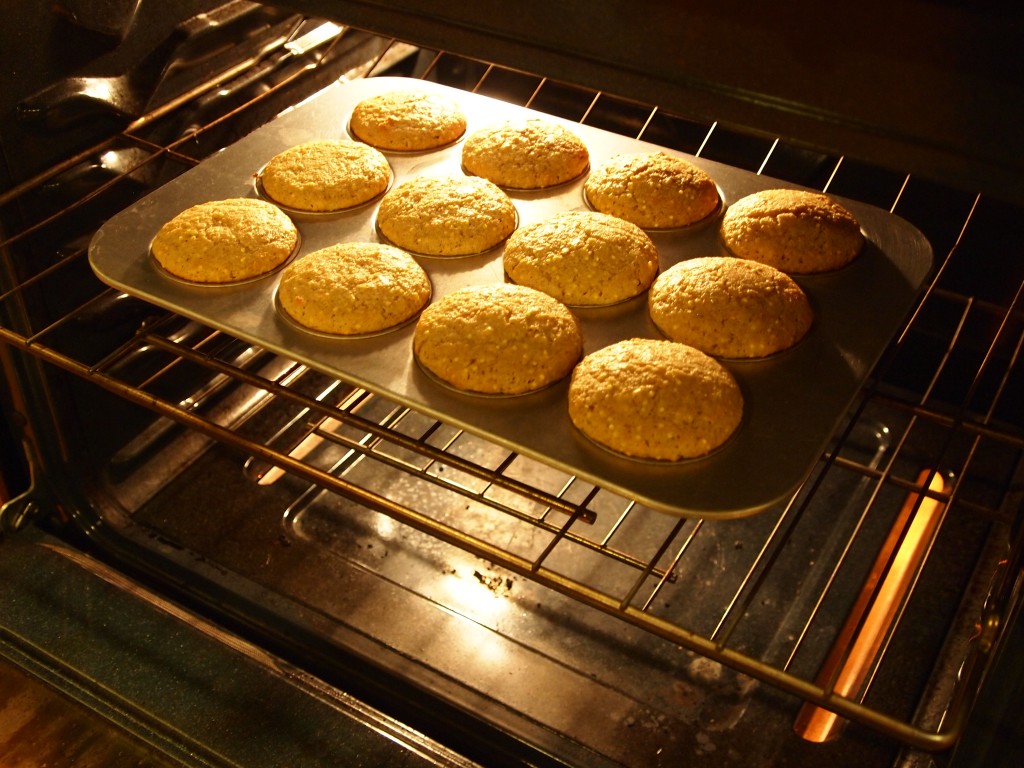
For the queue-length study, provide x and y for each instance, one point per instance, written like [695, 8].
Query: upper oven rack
[334, 427]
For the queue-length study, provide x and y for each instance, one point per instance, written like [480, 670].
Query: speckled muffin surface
[446, 215]
[353, 288]
[408, 120]
[327, 175]
[225, 241]
[797, 231]
[498, 339]
[654, 399]
[729, 307]
[654, 190]
[582, 258]
[525, 154]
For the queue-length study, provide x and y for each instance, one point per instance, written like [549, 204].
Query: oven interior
[497, 604]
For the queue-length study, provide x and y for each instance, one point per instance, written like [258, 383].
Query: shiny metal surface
[793, 401]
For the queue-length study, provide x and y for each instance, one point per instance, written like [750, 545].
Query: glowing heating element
[856, 649]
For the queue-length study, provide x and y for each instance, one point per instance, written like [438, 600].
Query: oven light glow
[385, 527]
[480, 598]
[108, 159]
[859, 645]
[476, 594]
[97, 88]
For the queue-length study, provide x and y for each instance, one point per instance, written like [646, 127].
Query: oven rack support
[617, 605]
[36, 342]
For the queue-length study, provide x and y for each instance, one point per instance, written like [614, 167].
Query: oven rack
[571, 514]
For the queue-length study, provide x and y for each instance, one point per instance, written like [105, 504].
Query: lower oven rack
[877, 455]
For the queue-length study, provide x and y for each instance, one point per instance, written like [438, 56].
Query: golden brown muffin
[408, 120]
[525, 154]
[498, 339]
[446, 215]
[582, 258]
[225, 241]
[321, 176]
[793, 230]
[353, 288]
[654, 190]
[653, 399]
[730, 307]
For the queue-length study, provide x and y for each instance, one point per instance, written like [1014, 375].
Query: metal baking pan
[793, 401]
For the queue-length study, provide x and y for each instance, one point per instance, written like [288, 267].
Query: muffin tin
[793, 401]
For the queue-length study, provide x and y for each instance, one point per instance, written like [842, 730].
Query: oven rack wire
[359, 426]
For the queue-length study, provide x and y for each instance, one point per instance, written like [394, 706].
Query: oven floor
[494, 643]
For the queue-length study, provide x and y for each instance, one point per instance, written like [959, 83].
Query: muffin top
[653, 399]
[729, 307]
[446, 215]
[582, 258]
[654, 190]
[326, 175]
[408, 120]
[797, 231]
[525, 154]
[498, 339]
[225, 241]
[353, 288]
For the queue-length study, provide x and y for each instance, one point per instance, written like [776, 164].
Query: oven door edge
[349, 683]
[195, 692]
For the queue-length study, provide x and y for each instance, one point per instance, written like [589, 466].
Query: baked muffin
[793, 230]
[730, 307]
[326, 175]
[525, 154]
[446, 215]
[498, 339]
[654, 190]
[408, 120]
[225, 241]
[582, 258]
[353, 288]
[655, 399]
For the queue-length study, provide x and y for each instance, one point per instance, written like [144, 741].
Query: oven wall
[932, 88]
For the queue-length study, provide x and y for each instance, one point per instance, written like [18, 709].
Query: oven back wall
[927, 87]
